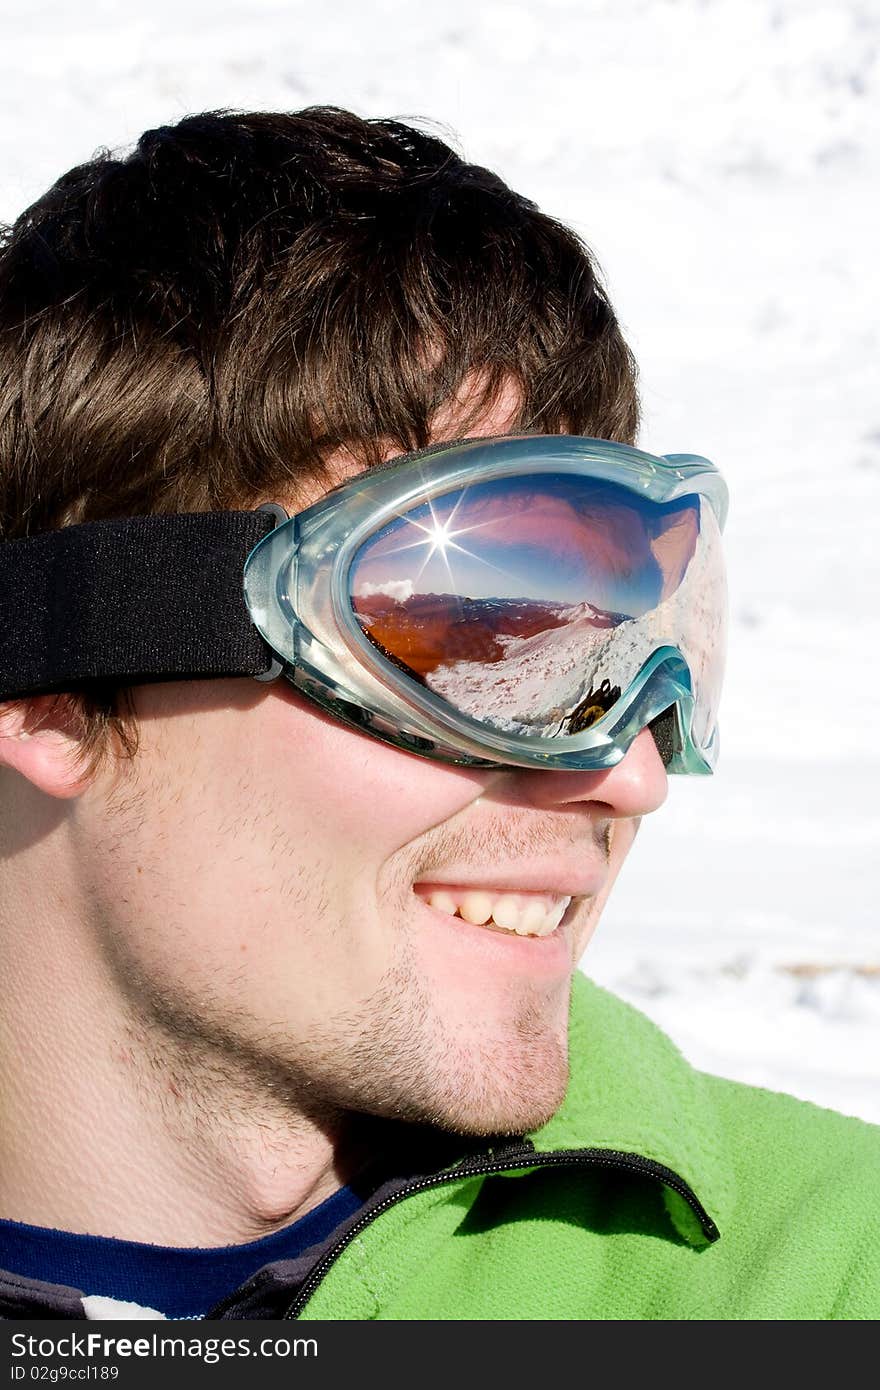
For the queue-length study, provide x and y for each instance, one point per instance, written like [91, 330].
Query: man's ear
[40, 739]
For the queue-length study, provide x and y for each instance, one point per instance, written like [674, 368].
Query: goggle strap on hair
[139, 599]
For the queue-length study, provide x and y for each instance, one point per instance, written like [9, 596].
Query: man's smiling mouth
[519, 913]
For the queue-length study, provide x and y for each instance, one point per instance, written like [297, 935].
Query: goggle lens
[529, 603]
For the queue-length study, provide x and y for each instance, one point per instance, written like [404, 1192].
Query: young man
[291, 1021]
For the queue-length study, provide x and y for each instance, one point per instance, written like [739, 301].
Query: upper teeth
[527, 914]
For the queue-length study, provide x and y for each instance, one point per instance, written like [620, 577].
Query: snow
[720, 157]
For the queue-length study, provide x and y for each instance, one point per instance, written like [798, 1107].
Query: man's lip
[579, 883]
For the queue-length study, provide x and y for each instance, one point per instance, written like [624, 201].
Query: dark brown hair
[198, 325]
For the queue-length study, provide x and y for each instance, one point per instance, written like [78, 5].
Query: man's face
[259, 877]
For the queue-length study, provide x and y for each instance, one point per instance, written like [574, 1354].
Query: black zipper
[602, 1158]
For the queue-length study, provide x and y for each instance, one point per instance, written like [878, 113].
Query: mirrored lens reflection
[528, 603]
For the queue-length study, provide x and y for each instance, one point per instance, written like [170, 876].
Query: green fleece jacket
[655, 1192]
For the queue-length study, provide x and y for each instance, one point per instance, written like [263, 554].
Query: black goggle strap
[144, 598]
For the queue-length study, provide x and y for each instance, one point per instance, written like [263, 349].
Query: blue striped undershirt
[181, 1283]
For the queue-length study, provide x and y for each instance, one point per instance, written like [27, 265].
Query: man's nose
[635, 786]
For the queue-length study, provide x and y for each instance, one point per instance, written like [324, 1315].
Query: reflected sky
[555, 537]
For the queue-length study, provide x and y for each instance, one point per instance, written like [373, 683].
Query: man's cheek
[364, 792]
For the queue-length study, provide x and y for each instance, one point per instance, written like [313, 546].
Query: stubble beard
[403, 1052]
[407, 1062]
[394, 1056]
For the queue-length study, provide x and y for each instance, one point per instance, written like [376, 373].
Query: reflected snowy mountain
[426, 629]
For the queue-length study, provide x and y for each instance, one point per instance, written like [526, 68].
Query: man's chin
[507, 1120]
[493, 1099]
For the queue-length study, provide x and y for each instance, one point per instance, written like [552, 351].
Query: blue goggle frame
[298, 592]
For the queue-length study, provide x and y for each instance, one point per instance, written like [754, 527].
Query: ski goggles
[531, 601]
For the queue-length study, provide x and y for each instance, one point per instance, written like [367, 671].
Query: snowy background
[721, 158]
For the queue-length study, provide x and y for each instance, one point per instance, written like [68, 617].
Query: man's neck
[111, 1125]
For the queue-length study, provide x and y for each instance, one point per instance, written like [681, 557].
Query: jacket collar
[632, 1091]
